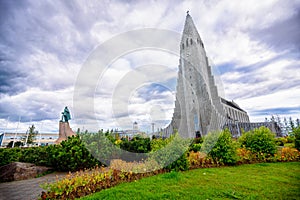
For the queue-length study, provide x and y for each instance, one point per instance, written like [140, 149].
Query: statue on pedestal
[64, 127]
[66, 116]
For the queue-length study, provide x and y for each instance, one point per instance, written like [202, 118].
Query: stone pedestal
[64, 132]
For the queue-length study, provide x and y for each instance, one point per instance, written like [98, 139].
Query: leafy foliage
[82, 183]
[288, 154]
[280, 141]
[201, 160]
[37, 155]
[296, 132]
[101, 146]
[220, 146]
[135, 167]
[171, 153]
[8, 155]
[260, 140]
[196, 144]
[70, 155]
[137, 145]
[30, 135]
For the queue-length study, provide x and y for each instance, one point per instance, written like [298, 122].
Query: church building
[198, 107]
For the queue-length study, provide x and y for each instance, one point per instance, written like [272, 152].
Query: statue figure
[66, 116]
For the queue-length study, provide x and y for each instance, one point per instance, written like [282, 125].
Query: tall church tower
[198, 108]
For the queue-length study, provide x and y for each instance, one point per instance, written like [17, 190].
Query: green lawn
[255, 181]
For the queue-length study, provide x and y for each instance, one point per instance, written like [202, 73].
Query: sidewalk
[26, 189]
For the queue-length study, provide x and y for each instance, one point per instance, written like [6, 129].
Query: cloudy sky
[44, 45]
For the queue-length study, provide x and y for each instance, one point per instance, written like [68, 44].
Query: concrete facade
[198, 107]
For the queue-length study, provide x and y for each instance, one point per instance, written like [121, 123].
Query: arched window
[182, 46]
[191, 41]
[187, 42]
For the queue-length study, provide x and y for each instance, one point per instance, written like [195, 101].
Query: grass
[255, 181]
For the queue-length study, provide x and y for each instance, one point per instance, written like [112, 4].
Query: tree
[31, 133]
[291, 123]
[296, 132]
[297, 122]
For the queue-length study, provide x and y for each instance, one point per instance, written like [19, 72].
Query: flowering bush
[201, 160]
[288, 154]
[245, 155]
[136, 167]
[82, 183]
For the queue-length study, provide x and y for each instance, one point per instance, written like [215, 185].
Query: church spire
[190, 29]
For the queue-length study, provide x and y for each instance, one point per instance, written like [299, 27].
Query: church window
[191, 41]
[187, 42]
[182, 46]
[190, 76]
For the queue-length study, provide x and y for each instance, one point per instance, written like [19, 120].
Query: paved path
[26, 189]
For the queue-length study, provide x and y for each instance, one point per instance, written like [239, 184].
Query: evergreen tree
[30, 136]
[297, 122]
[285, 125]
[291, 123]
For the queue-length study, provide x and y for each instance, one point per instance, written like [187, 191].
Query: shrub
[181, 164]
[196, 144]
[220, 146]
[71, 155]
[280, 141]
[171, 153]
[201, 160]
[135, 167]
[8, 155]
[137, 145]
[290, 138]
[245, 155]
[296, 132]
[289, 154]
[32, 155]
[261, 141]
[101, 147]
[82, 183]
[195, 147]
